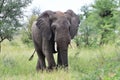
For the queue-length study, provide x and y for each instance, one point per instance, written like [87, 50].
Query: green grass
[101, 63]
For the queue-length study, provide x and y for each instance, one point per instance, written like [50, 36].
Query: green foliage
[26, 38]
[105, 9]
[10, 16]
[88, 33]
[103, 5]
[8, 61]
[99, 24]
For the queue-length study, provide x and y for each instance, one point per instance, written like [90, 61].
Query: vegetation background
[94, 54]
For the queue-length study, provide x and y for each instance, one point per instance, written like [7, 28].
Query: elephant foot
[49, 69]
[41, 70]
[38, 69]
[62, 67]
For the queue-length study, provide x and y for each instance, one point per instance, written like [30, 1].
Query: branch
[2, 39]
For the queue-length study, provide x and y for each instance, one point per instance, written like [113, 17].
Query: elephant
[54, 27]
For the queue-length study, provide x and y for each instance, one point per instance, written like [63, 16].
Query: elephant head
[56, 26]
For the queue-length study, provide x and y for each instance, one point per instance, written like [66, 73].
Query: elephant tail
[32, 56]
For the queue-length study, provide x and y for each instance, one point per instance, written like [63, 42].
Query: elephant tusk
[55, 47]
[32, 56]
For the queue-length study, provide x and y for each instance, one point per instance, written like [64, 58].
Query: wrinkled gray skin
[53, 27]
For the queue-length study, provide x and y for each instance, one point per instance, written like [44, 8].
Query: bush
[27, 38]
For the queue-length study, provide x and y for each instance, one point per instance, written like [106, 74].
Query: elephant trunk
[62, 48]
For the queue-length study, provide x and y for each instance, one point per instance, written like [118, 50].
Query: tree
[84, 26]
[99, 23]
[11, 11]
[105, 9]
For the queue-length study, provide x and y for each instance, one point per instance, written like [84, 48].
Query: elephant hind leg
[47, 49]
[41, 65]
[38, 66]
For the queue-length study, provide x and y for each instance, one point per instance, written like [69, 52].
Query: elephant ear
[74, 21]
[44, 22]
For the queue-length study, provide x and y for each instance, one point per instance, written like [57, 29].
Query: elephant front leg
[41, 64]
[59, 61]
[51, 61]
[63, 58]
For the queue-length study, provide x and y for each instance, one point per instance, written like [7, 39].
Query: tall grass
[101, 63]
